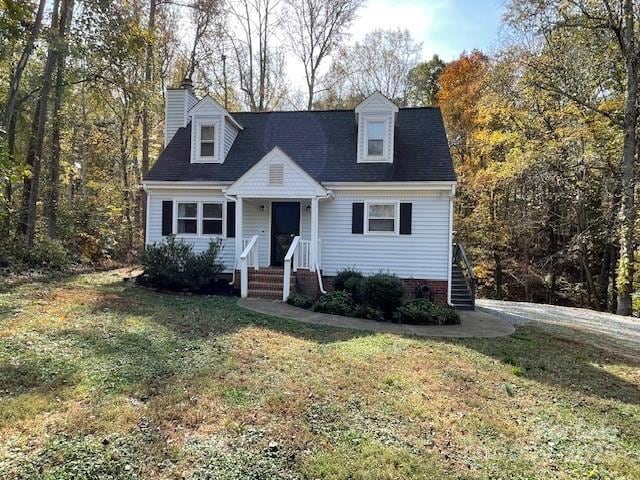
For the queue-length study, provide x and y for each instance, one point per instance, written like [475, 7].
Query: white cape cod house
[296, 197]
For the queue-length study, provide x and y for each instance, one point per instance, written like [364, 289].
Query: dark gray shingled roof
[321, 142]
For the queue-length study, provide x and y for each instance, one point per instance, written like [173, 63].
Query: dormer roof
[376, 101]
[209, 106]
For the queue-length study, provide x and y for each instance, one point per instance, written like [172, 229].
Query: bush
[446, 315]
[173, 265]
[370, 313]
[422, 312]
[335, 303]
[384, 292]
[344, 276]
[300, 301]
[44, 254]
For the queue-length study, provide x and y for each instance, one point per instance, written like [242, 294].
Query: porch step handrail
[462, 260]
[286, 283]
[249, 256]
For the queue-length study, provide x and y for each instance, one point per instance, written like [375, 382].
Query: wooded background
[543, 131]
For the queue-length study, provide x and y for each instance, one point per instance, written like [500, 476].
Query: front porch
[276, 222]
[278, 242]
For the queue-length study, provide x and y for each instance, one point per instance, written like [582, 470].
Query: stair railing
[461, 259]
[286, 283]
[249, 256]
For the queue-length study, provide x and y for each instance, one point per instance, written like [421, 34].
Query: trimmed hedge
[422, 312]
[384, 292]
[173, 265]
[299, 300]
[335, 303]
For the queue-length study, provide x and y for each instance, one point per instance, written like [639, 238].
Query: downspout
[449, 267]
[330, 195]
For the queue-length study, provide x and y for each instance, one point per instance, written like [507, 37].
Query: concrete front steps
[268, 282]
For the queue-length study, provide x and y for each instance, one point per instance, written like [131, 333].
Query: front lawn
[99, 379]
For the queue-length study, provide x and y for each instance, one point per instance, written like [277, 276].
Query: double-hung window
[187, 218]
[381, 217]
[375, 139]
[207, 141]
[199, 218]
[211, 218]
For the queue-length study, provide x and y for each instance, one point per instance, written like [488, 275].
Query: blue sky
[445, 27]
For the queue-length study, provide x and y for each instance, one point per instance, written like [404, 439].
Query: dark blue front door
[285, 224]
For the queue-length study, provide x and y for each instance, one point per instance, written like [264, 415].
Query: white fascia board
[192, 185]
[390, 185]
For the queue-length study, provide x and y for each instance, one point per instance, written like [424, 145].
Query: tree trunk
[54, 191]
[14, 84]
[148, 69]
[627, 210]
[36, 139]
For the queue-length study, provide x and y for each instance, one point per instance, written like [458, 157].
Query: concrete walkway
[473, 324]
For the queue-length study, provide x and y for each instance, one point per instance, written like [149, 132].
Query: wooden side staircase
[463, 280]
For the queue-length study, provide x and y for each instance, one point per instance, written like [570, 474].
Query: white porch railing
[248, 257]
[301, 255]
[288, 260]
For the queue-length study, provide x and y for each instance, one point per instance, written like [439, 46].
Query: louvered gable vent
[276, 174]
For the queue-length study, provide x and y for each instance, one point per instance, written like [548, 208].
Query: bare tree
[382, 61]
[260, 65]
[315, 28]
[204, 16]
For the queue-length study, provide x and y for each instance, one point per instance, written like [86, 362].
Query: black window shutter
[405, 218]
[167, 217]
[357, 218]
[231, 219]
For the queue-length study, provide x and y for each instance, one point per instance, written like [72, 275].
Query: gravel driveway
[599, 328]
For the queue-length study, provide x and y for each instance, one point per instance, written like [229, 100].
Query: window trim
[178, 217]
[396, 217]
[221, 218]
[199, 218]
[207, 158]
[384, 140]
[365, 157]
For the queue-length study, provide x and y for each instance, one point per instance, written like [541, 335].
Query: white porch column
[239, 212]
[313, 251]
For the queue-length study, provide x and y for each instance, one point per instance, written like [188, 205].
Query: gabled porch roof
[276, 175]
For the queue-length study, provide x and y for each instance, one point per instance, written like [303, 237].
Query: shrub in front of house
[299, 300]
[173, 265]
[350, 281]
[369, 313]
[335, 303]
[384, 292]
[422, 312]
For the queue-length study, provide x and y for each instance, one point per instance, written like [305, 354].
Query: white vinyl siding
[230, 133]
[178, 102]
[199, 242]
[423, 254]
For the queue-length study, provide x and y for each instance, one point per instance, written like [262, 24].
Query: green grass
[99, 379]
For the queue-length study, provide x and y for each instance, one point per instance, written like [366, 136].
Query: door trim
[270, 222]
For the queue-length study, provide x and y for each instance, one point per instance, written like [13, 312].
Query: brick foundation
[307, 283]
[439, 287]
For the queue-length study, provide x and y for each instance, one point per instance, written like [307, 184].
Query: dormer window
[375, 139]
[376, 118]
[207, 142]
